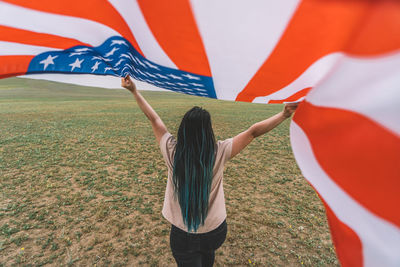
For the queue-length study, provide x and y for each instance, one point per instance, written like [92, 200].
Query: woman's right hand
[127, 83]
[289, 109]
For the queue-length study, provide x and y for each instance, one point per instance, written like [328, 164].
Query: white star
[76, 64]
[151, 65]
[97, 57]
[191, 77]
[162, 76]
[101, 58]
[138, 61]
[84, 49]
[151, 75]
[197, 84]
[119, 62]
[48, 61]
[76, 54]
[125, 56]
[174, 76]
[144, 74]
[95, 66]
[181, 84]
[118, 42]
[107, 69]
[111, 52]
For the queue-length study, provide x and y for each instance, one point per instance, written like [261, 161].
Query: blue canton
[117, 57]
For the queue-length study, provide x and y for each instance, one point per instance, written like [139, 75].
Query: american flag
[341, 57]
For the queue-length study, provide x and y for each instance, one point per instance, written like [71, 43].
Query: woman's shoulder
[224, 149]
[167, 142]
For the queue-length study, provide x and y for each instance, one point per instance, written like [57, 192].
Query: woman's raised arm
[241, 140]
[157, 124]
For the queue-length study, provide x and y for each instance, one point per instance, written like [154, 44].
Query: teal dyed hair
[193, 166]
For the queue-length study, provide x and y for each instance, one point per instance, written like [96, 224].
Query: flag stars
[110, 53]
[76, 54]
[84, 49]
[48, 61]
[95, 66]
[118, 42]
[76, 64]
[197, 84]
[119, 62]
[191, 77]
[174, 76]
[151, 65]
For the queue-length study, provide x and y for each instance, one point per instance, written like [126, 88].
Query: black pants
[196, 250]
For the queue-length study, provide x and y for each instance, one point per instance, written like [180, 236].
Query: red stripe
[296, 96]
[380, 32]
[14, 65]
[347, 243]
[9, 34]
[175, 30]
[319, 28]
[99, 11]
[358, 154]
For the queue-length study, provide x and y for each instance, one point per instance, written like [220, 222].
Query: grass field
[82, 182]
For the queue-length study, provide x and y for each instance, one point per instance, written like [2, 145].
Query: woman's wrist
[285, 115]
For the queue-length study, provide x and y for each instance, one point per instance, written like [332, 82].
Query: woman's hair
[193, 166]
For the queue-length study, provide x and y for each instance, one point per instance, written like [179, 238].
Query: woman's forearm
[267, 125]
[145, 107]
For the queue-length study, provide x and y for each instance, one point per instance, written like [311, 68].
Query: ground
[82, 182]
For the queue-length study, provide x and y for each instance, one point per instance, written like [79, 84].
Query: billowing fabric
[342, 56]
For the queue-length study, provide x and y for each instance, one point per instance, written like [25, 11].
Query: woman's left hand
[289, 109]
[128, 84]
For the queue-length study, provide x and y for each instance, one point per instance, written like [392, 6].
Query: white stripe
[380, 239]
[238, 37]
[84, 30]
[369, 86]
[309, 78]
[132, 14]
[10, 49]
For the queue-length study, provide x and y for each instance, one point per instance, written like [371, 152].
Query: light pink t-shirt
[216, 209]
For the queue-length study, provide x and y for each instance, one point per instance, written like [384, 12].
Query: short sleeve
[224, 150]
[167, 146]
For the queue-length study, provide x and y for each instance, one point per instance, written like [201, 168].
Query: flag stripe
[10, 34]
[10, 48]
[288, 61]
[366, 86]
[347, 243]
[280, 69]
[13, 65]
[130, 11]
[238, 43]
[380, 239]
[47, 23]
[309, 78]
[294, 97]
[101, 12]
[175, 30]
[380, 31]
[353, 156]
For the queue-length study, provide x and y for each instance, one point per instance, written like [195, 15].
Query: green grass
[82, 182]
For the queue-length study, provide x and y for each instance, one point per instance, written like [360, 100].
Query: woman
[194, 201]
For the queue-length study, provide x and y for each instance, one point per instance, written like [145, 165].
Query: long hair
[193, 166]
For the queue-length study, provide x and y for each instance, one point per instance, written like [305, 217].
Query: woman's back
[216, 212]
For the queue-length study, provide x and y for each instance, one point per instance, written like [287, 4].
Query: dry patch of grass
[82, 183]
